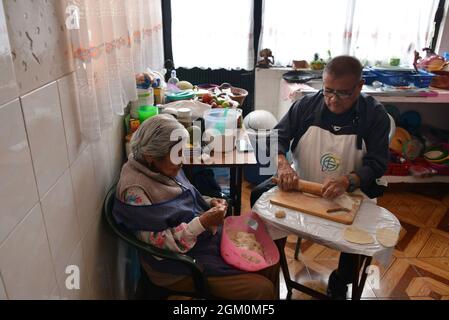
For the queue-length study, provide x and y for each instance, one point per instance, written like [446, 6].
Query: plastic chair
[146, 288]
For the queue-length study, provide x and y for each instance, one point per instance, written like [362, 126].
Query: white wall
[52, 183]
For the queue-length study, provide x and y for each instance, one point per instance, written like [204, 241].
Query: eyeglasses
[339, 94]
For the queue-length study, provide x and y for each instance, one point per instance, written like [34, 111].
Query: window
[374, 31]
[212, 34]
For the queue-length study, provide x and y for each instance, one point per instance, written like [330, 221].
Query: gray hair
[344, 66]
[156, 136]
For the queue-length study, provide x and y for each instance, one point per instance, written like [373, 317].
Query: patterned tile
[444, 223]
[437, 246]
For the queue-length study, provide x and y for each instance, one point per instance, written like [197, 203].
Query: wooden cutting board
[318, 206]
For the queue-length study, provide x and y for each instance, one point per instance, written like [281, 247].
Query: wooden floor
[420, 267]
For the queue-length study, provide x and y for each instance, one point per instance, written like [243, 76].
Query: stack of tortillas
[386, 237]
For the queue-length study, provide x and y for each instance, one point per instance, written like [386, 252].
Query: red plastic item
[240, 257]
[398, 169]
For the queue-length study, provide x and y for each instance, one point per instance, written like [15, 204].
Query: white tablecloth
[328, 233]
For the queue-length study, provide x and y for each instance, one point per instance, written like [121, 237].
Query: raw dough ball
[387, 237]
[280, 214]
[355, 235]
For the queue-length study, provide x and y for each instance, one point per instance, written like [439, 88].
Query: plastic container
[145, 98]
[420, 79]
[398, 169]
[221, 119]
[185, 117]
[172, 82]
[146, 112]
[181, 95]
[241, 257]
[259, 125]
[369, 76]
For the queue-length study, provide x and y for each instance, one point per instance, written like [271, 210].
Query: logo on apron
[330, 162]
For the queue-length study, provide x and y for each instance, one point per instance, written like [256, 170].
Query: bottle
[185, 117]
[172, 82]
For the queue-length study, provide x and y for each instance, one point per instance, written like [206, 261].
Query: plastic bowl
[221, 119]
[146, 112]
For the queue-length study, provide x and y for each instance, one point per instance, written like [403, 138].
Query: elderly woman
[158, 202]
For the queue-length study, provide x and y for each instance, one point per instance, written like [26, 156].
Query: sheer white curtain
[371, 30]
[384, 29]
[296, 30]
[213, 34]
[114, 40]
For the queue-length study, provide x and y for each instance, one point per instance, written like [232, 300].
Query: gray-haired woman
[156, 200]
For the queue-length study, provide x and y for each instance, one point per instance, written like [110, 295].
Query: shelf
[442, 97]
[410, 179]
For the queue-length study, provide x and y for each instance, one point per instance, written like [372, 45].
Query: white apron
[321, 154]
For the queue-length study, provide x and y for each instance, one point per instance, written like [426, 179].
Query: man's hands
[335, 187]
[288, 178]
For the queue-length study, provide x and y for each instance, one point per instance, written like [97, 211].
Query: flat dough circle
[387, 237]
[355, 235]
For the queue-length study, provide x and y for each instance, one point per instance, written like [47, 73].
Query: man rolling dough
[337, 137]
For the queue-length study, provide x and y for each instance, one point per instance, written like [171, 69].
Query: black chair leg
[297, 248]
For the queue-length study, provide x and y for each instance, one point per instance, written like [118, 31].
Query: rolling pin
[305, 186]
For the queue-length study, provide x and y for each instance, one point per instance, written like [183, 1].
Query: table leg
[297, 248]
[290, 284]
[358, 282]
[239, 181]
[232, 189]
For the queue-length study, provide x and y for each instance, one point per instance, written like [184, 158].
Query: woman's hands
[214, 216]
[216, 202]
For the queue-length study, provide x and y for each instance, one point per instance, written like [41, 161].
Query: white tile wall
[26, 264]
[102, 165]
[86, 197]
[70, 114]
[116, 143]
[97, 257]
[39, 40]
[58, 207]
[43, 120]
[18, 192]
[53, 182]
[3, 295]
[8, 85]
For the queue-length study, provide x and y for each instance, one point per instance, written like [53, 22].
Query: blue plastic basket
[369, 76]
[420, 79]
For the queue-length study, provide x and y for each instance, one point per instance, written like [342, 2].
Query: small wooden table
[234, 160]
